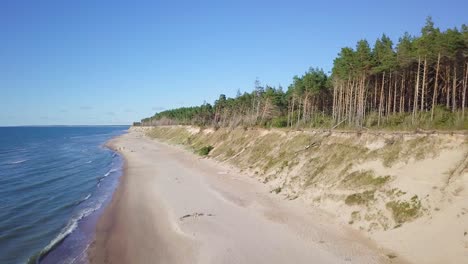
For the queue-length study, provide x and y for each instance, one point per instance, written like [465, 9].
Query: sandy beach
[174, 207]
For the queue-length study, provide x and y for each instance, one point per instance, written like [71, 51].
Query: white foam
[18, 161]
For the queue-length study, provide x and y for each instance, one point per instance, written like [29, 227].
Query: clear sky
[114, 62]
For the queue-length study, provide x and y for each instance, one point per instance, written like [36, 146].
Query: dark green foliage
[384, 55]
[204, 151]
[405, 51]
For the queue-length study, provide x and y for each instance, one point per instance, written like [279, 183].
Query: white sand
[174, 207]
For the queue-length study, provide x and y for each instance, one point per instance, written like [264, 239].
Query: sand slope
[407, 191]
[173, 207]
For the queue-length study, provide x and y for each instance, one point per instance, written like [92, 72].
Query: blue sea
[54, 184]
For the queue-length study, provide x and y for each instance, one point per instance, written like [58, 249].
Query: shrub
[443, 117]
[320, 120]
[204, 151]
[396, 120]
[279, 122]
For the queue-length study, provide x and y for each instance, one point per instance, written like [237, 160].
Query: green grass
[397, 149]
[404, 211]
[443, 119]
[395, 192]
[360, 198]
[390, 153]
[344, 152]
[175, 135]
[297, 143]
[364, 178]
[263, 146]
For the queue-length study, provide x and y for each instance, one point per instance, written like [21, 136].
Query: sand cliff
[406, 191]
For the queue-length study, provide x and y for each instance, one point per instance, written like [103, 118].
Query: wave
[73, 223]
[109, 172]
[84, 199]
[67, 230]
[105, 175]
[88, 162]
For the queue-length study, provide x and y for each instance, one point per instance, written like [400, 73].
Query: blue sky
[114, 62]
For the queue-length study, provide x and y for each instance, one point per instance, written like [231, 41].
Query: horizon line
[61, 125]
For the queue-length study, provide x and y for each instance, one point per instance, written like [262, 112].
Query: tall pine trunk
[395, 96]
[464, 92]
[447, 88]
[454, 87]
[434, 94]
[381, 99]
[402, 96]
[416, 90]
[423, 85]
[334, 104]
[389, 97]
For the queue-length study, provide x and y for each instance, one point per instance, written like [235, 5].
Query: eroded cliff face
[404, 185]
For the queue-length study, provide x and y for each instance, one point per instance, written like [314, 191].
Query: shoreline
[102, 223]
[75, 239]
[112, 226]
[173, 207]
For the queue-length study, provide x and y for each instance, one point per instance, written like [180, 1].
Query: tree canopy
[418, 81]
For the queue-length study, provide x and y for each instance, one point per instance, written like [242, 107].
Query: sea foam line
[17, 162]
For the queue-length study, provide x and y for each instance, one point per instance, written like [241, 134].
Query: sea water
[54, 184]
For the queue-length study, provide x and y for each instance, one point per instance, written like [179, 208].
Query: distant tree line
[419, 82]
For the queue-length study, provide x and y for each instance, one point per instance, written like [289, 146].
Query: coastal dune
[175, 207]
[405, 190]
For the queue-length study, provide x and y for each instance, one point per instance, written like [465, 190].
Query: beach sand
[174, 207]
